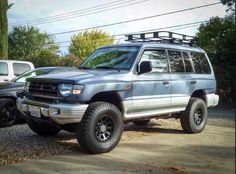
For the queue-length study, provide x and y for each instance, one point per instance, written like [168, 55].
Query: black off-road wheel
[141, 122]
[8, 112]
[100, 129]
[194, 118]
[42, 128]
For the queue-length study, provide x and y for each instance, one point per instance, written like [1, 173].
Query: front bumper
[61, 113]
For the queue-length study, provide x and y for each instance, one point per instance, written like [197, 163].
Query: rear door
[151, 91]
[180, 91]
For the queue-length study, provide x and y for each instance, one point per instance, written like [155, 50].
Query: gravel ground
[18, 143]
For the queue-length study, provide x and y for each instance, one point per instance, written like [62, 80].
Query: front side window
[111, 58]
[3, 69]
[158, 59]
[19, 68]
[200, 63]
[176, 61]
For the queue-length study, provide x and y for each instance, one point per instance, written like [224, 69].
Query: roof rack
[162, 37]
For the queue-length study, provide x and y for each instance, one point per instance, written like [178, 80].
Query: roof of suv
[159, 45]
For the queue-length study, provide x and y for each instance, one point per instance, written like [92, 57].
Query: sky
[109, 11]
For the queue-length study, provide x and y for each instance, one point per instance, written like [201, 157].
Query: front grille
[43, 89]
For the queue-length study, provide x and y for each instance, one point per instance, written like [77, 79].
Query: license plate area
[35, 111]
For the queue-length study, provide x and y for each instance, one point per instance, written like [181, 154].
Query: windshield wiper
[83, 67]
[107, 67]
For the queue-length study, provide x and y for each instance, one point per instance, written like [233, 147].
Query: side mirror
[145, 66]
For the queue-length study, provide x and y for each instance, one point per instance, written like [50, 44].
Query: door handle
[165, 83]
[5, 80]
[193, 82]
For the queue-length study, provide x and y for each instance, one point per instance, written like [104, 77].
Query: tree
[85, 43]
[230, 7]
[70, 60]
[4, 29]
[28, 43]
[217, 38]
[46, 58]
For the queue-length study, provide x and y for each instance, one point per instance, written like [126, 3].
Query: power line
[137, 19]
[143, 31]
[96, 12]
[180, 26]
[79, 13]
[94, 40]
[68, 12]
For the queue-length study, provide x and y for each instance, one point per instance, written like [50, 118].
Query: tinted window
[112, 57]
[200, 63]
[158, 59]
[19, 68]
[176, 61]
[187, 62]
[3, 69]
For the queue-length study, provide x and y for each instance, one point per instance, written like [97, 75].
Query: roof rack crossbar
[162, 37]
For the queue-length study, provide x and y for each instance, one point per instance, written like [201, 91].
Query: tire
[141, 122]
[194, 118]
[100, 129]
[8, 112]
[42, 128]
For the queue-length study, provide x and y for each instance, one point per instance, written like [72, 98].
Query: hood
[11, 86]
[78, 76]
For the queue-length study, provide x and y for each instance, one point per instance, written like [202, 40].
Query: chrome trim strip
[153, 113]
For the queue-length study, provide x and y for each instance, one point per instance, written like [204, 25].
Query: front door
[151, 91]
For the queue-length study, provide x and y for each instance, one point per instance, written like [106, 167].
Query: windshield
[22, 78]
[111, 58]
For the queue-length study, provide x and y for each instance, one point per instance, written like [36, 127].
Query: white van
[12, 68]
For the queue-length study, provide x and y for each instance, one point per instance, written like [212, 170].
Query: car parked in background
[8, 90]
[12, 68]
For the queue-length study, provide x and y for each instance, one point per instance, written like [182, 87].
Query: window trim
[21, 64]
[152, 49]
[170, 49]
[7, 69]
[191, 61]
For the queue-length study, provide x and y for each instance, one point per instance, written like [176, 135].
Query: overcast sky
[122, 10]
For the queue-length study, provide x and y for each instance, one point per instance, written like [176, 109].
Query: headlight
[27, 85]
[65, 89]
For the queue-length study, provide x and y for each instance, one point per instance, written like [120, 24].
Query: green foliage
[70, 60]
[3, 29]
[28, 43]
[46, 58]
[85, 43]
[217, 38]
[230, 5]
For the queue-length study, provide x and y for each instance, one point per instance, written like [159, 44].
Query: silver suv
[158, 75]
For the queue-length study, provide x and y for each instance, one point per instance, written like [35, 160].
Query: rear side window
[3, 69]
[187, 62]
[200, 63]
[19, 68]
[158, 59]
[176, 61]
